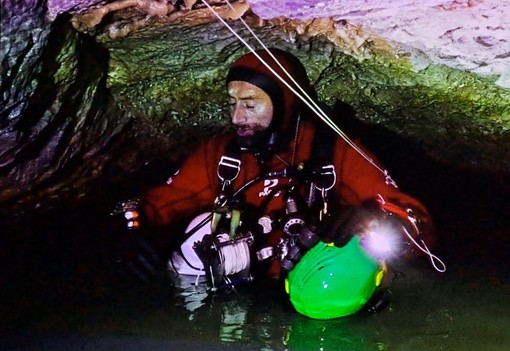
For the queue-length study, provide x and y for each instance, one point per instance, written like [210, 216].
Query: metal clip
[328, 170]
[388, 180]
[228, 168]
[324, 210]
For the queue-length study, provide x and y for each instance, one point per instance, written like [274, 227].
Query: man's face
[250, 107]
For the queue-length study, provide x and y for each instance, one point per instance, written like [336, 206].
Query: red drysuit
[195, 187]
[193, 190]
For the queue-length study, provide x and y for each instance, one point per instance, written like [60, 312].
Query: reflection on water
[461, 310]
[233, 322]
[195, 298]
[57, 296]
[193, 291]
[467, 308]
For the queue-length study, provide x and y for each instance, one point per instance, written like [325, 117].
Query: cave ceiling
[98, 89]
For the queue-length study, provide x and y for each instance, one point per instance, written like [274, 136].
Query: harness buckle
[228, 168]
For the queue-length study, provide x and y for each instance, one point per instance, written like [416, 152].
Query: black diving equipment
[219, 244]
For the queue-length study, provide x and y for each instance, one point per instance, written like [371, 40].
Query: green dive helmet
[330, 282]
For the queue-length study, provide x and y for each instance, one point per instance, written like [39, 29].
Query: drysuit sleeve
[191, 190]
[358, 181]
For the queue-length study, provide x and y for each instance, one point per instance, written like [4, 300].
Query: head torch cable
[305, 97]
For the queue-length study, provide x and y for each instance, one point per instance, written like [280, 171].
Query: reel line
[235, 257]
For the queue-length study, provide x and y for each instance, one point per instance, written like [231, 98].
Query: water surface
[60, 292]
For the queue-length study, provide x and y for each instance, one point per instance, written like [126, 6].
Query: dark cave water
[59, 290]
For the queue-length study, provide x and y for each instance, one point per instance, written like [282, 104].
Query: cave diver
[285, 197]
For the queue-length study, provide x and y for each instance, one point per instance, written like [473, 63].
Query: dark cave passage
[89, 122]
[60, 276]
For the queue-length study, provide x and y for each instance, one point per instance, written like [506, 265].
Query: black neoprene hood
[270, 87]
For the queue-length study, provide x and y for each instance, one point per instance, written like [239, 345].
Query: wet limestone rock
[88, 109]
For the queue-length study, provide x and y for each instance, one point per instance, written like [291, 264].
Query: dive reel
[218, 247]
[225, 253]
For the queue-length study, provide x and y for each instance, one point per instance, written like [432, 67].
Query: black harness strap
[321, 162]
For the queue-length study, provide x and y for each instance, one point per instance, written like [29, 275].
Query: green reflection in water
[465, 309]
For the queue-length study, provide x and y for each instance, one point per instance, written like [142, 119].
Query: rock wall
[470, 35]
[60, 131]
[88, 106]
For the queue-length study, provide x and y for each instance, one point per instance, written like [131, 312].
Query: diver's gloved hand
[384, 233]
[129, 211]
[352, 220]
[387, 230]
[137, 255]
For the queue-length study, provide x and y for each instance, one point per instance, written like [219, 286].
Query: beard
[263, 142]
[251, 139]
[249, 130]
